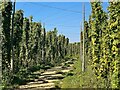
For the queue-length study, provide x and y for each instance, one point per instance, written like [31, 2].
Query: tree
[43, 46]
[86, 29]
[6, 19]
[6, 11]
[96, 34]
[17, 37]
[38, 41]
[90, 40]
[25, 43]
[114, 31]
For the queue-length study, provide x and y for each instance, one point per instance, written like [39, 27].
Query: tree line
[102, 42]
[30, 45]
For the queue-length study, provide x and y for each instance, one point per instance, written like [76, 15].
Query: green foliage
[17, 37]
[71, 82]
[34, 48]
[114, 43]
[6, 10]
[82, 79]
[96, 35]
[102, 37]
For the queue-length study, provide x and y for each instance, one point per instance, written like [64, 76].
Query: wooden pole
[81, 41]
[83, 62]
[12, 59]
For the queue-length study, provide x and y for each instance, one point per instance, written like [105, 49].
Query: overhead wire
[60, 9]
[58, 25]
[49, 17]
[43, 5]
[68, 10]
[61, 25]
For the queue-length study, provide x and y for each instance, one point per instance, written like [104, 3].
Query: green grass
[81, 79]
[72, 81]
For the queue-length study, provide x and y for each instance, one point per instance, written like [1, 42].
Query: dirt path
[47, 79]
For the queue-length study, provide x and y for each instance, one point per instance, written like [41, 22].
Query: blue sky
[67, 21]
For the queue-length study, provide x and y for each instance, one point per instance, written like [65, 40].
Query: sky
[65, 16]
